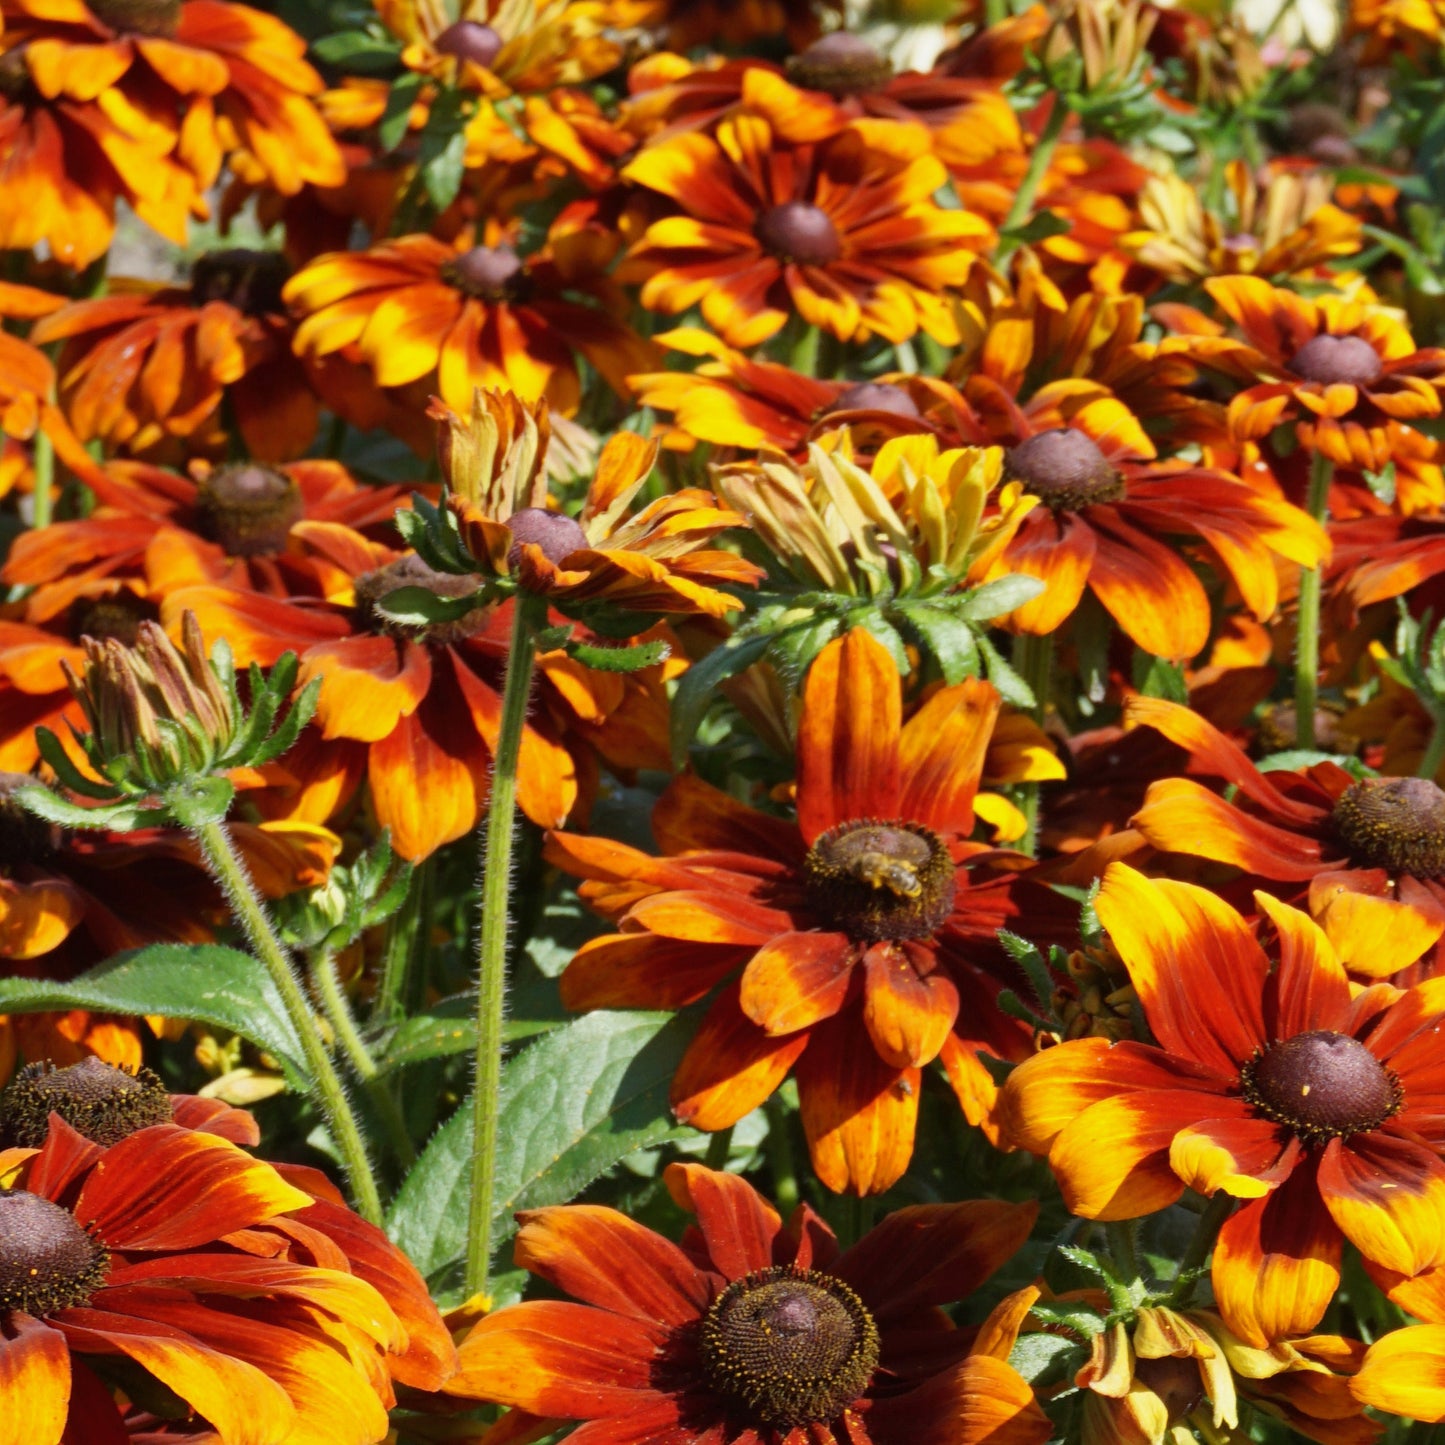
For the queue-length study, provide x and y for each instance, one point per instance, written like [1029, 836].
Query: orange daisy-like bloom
[846, 233]
[467, 316]
[176, 1251]
[1356, 849]
[1320, 1110]
[202, 81]
[145, 368]
[849, 946]
[27, 385]
[1343, 369]
[757, 1331]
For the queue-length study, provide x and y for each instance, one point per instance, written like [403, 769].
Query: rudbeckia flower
[1360, 847]
[844, 233]
[758, 1331]
[1340, 368]
[851, 947]
[198, 81]
[470, 316]
[1318, 1109]
[146, 367]
[27, 388]
[176, 1251]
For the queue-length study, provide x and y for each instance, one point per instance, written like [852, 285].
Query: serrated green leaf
[619, 659]
[1011, 687]
[572, 1105]
[945, 638]
[697, 685]
[119, 817]
[1158, 677]
[447, 1029]
[996, 598]
[207, 982]
[421, 607]
[1295, 760]
[357, 50]
[53, 751]
[1039, 1355]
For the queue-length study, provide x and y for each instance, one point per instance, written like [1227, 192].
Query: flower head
[757, 1330]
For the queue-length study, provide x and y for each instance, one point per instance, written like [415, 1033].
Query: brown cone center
[877, 880]
[1321, 1085]
[96, 1099]
[875, 396]
[801, 232]
[251, 281]
[248, 509]
[554, 532]
[138, 17]
[411, 571]
[490, 273]
[840, 64]
[1393, 823]
[47, 1261]
[789, 1347]
[471, 40]
[1332, 359]
[1065, 469]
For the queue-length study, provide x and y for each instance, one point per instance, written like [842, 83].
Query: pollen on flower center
[251, 281]
[138, 17]
[411, 571]
[1065, 469]
[1321, 1085]
[490, 273]
[470, 40]
[1334, 359]
[24, 838]
[248, 509]
[1394, 823]
[96, 1099]
[877, 880]
[840, 64]
[875, 396]
[47, 1261]
[791, 1346]
[799, 231]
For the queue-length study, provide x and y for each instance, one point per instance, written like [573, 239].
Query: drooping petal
[848, 766]
[796, 980]
[35, 1370]
[1387, 1195]
[1404, 1373]
[1237, 1152]
[980, 1401]
[606, 1259]
[739, 1227]
[908, 1005]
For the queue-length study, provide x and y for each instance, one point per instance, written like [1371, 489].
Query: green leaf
[1011, 687]
[442, 172]
[1382, 483]
[397, 116]
[120, 817]
[1295, 760]
[1158, 677]
[1001, 595]
[421, 607]
[1038, 228]
[53, 751]
[207, 982]
[446, 1029]
[357, 50]
[944, 637]
[619, 659]
[1037, 1356]
[698, 685]
[572, 1105]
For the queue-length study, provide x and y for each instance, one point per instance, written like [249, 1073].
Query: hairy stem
[1033, 660]
[779, 1147]
[229, 870]
[529, 615]
[1434, 750]
[1211, 1220]
[1307, 636]
[1023, 201]
[405, 933]
[43, 465]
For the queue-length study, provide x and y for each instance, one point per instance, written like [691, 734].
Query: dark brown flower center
[14, 73]
[554, 532]
[471, 40]
[1331, 359]
[411, 571]
[1393, 823]
[96, 1099]
[138, 17]
[875, 396]
[24, 838]
[118, 616]
[789, 1346]
[1321, 1085]
[248, 509]
[1064, 469]
[47, 1261]
[840, 64]
[878, 880]
[251, 281]
[799, 231]
[490, 273]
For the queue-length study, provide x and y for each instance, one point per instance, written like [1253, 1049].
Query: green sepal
[1031, 963]
[199, 801]
[116, 817]
[1011, 687]
[420, 607]
[53, 751]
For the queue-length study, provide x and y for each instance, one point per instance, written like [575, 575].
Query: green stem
[1123, 1237]
[229, 871]
[1023, 202]
[719, 1146]
[1211, 1219]
[405, 933]
[1033, 660]
[1307, 635]
[1434, 750]
[42, 463]
[779, 1146]
[528, 617]
[327, 984]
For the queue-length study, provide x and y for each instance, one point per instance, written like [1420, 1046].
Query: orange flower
[1320, 1112]
[27, 386]
[195, 82]
[852, 947]
[177, 1252]
[846, 233]
[466, 316]
[146, 368]
[1343, 369]
[840, 1346]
